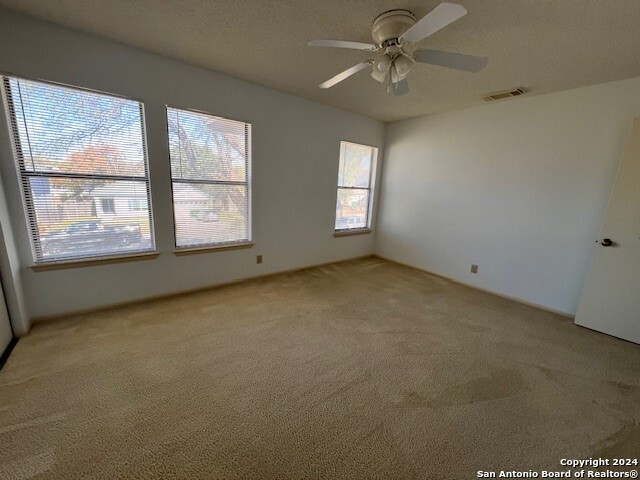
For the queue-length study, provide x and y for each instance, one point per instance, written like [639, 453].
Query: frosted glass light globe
[403, 64]
[384, 63]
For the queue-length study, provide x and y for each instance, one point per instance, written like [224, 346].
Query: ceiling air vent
[490, 97]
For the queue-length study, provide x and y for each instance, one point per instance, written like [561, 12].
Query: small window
[108, 206]
[355, 186]
[137, 204]
[210, 173]
[80, 155]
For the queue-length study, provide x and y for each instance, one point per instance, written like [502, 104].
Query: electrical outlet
[258, 258]
[474, 268]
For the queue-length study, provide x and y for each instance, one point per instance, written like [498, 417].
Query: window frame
[338, 232]
[248, 183]
[111, 202]
[28, 204]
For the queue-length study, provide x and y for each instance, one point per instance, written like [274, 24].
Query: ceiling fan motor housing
[391, 25]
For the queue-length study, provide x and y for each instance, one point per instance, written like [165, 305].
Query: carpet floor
[360, 369]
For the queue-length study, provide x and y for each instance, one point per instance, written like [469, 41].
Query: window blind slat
[82, 162]
[210, 169]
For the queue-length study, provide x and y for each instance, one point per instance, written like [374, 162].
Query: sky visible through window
[58, 122]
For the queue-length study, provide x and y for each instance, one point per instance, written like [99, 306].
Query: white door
[5, 326]
[610, 301]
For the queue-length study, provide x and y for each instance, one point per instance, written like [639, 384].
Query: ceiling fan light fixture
[383, 63]
[379, 76]
[403, 64]
[395, 76]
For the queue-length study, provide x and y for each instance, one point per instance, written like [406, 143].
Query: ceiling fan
[396, 33]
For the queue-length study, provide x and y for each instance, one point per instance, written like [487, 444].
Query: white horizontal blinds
[210, 172]
[354, 186]
[82, 162]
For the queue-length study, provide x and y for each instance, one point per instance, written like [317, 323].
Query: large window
[210, 172]
[355, 186]
[82, 159]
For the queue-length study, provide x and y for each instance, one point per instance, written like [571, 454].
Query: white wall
[295, 167]
[10, 270]
[518, 187]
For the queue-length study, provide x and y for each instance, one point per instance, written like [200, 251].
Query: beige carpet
[363, 369]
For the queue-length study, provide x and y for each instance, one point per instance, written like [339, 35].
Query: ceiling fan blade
[457, 61]
[401, 87]
[343, 75]
[342, 44]
[438, 18]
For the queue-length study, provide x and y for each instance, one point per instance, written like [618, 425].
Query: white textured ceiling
[541, 45]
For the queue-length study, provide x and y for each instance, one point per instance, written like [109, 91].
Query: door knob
[606, 242]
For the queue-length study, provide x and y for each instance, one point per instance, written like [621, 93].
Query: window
[355, 191]
[80, 156]
[210, 172]
[108, 205]
[138, 204]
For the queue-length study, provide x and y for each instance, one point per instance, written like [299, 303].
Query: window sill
[92, 262]
[210, 249]
[351, 233]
